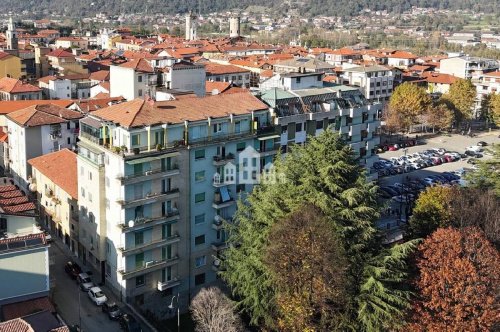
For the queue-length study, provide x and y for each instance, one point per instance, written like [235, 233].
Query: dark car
[72, 269]
[470, 153]
[112, 310]
[128, 323]
[390, 191]
[482, 143]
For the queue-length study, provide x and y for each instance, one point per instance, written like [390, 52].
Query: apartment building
[486, 84]
[37, 130]
[228, 73]
[375, 82]
[160, 190]
[468, 67]
[14, 89]
[292, 81]
[308, 112]
[53, 179]
[55, 87]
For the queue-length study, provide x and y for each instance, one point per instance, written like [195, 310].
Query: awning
[224, 194]
[148, 159]
[268, 137]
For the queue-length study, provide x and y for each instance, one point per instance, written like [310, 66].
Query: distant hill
[78, 8]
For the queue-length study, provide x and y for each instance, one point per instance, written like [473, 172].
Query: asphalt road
[67, 294]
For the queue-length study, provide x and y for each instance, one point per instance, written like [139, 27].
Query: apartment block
[375, 82]
[160, 190]
[468, 67]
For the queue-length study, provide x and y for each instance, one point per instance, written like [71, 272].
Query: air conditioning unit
[150, 263]
[148, 172]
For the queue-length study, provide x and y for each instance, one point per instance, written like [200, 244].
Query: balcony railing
[150, 198]
[148, 267]
[150, 221]
[164, 285]
[219, 203]
[220, 137]
[174, 170]
[222, 160]
[149, 245]
[220, 245]
[219, 222]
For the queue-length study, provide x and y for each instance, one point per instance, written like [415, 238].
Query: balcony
[222, 160]
[356, 112]
[222, 137]
[355, 130]
[148, 175]
[55, 135]
[220, 245]
[219, 222]
[150, 245]
[220, 204]
[164, 285]
[138, 223]
[149, 198]
[268, 130]
[49, 192]
[150, 266]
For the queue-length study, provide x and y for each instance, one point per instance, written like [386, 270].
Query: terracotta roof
[90, 105]
[433, 77]
[24, 238]
[4, 55]
[60, 168]
[60, 53]
[217, 69]
[494, 74]
[343, 51]
[101, 95]
[419, 68]
[8, 106]
[330, 78]
[138, 65]
[105, 85]
[138, 112]
[12, 85]
[47, 79]
[402, 55]
[101, 75]
[4, 189]
[76, 77]
[60, 329]
[11, 194]
[13, 209]
[219, 86]
[4, 137]
[39, 115]
[15, 325]
[267, 73]
[13, 201]
[24, 308]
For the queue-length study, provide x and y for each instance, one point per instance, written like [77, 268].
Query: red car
[392, 148]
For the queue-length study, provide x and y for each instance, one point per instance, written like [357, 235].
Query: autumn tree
[326, 174]
[308, 264]
[439, 117]
[432, 210]
[409, 102]
[487, 175]
[213, 311]
[393, 121]
[494, 102]
[462, 96]
[458, 282]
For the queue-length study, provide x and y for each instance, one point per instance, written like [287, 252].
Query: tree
[439, 116]
[432, 210]
[214, 312]
[462, 96]
[409, 101]
[458, 282]
[393, 121]
[487, 176]
[495, 107]
[325, 173]
[308, 264]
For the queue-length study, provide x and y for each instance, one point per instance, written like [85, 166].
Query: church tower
[11, 35]
[190, 26]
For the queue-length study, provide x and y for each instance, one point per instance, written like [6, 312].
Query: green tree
[487, 176]
[462, 95]
[439, 117]
[495, 107]
[409, 101]
[432, 210]
[324, 173]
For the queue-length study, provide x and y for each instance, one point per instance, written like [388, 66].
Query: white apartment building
[486, 84]
[292, 81]
[38, 130]
[55, 87]
[375, 82]
[467, 67]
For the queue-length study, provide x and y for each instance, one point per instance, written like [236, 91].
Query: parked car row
[96, 295]
[408, 191]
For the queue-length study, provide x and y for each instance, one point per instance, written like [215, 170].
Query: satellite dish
[215, 92]
[130, 223]
[32, 187]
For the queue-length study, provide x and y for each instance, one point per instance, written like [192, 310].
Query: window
[90, 196]
[69, 140]
[199, 176]
[240, 187]
[136, 139]
[240, 146]
[201, 261]
[319, 124]
[240, 77]
[199, 154]
[199, 219]
[139, 238]
[378, 83]
[83, 192]
[3, 224]
[139, 78]
[140, 93]
[199, 279]
[199, 240]
[284, 129]
[217, 127]
[298, 127]
[200, 197]
[297, 80]
[90, 176]
[82, 170]
[139, 281]
[68, 125]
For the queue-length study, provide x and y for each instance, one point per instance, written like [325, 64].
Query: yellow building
[10, 66]
[54, 178]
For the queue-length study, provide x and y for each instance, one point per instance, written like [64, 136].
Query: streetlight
[171, 306]
[79, 309]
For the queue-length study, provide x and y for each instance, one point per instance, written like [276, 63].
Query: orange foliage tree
[459, 282]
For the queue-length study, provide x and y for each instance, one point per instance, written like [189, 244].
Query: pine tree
[326, 174]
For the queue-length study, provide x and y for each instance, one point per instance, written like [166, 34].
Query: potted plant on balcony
[159, 147]
[136, 150]
[124, 148]
[116, 149]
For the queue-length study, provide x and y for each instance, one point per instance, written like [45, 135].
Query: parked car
[48, 237]
[112, 309]
[390, 191]
[403, 198]
[72, 269]
[482, 143]
[97, 296]
[474, 148]
[128, 323]
[85, 282]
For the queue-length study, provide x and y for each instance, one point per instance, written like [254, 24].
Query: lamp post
[79, 309]
[171, 306]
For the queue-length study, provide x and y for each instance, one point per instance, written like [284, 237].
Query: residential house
[375, 82]
[72, 42]
[303, 65]
[292, 81]
[228, 73]
[54, 176]
[133, 79]
[468, 67]
[38, 130]
[10, 66]
[438, 83]
[14, 89]
[401, 59]
[55, 87]
[64, 63]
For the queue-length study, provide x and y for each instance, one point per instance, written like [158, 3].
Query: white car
[97, 296]
[474, 148]
[85, 282]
